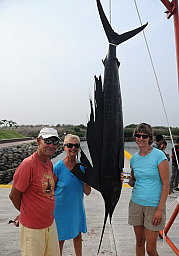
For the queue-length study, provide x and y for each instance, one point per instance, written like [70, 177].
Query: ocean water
[130, 147]
[84, 147]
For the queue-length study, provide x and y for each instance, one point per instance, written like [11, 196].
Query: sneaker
[160, 236]
[171, 192]
[177, 189]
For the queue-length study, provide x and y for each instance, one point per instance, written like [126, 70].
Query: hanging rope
[115, 248]
[110, 11]
[112, 234]
[150, 56]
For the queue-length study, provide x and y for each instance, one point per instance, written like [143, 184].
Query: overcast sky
[50, 51]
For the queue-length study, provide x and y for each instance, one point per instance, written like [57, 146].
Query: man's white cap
[47, 133]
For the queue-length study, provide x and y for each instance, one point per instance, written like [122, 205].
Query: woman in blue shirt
[69, 207]
[150, 171]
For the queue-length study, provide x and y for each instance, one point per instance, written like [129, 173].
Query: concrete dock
[123, 243]
[118, 240]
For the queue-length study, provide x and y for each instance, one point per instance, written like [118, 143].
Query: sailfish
[105, 136]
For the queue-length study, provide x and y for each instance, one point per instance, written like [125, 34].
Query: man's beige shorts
[39, 242]
[142, 216]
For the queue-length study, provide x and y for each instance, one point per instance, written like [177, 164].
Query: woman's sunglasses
[70, 145]
[144, 136]
[50, 141]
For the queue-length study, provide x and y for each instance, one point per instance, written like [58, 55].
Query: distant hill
[33, 130]
[80, 130]
[8, 134]
[128, 131]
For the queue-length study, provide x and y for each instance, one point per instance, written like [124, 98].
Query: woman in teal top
[150, 171]
[69, 207]
[147, 178]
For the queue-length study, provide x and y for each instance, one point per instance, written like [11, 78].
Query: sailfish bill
[105, 137]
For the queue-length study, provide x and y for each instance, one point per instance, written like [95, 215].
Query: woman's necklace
[146, 152]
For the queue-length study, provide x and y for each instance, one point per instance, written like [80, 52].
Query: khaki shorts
[142, 216]
[39, 242]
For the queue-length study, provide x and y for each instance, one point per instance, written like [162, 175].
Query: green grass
[5, 134]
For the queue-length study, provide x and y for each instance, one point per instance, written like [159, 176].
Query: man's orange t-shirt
[35, 180]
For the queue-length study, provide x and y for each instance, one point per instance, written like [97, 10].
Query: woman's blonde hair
[145, 128]
[71, 136]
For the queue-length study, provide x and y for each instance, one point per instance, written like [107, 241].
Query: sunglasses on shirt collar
[70, 145]
[50, 141]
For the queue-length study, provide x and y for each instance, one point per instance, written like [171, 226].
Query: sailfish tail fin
[105, 219]
[112, 36]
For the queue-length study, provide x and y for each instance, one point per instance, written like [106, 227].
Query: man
[32, 194]
[163, 147]
[175, 170]
[158, 141]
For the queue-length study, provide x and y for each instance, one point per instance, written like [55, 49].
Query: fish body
[105, 137]
[112, 153]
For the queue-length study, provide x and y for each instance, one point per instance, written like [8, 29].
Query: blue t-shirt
[148, 185]
[69, 207]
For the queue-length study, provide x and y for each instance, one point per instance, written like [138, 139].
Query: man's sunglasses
[70, 145]
[50, 141]
[144, 136]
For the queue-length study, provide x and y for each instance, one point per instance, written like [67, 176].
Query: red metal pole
[169, 224]
[174, 248]
[167, 4]
[172, 9]
[171, 220]
[170, 243]
[176, 25]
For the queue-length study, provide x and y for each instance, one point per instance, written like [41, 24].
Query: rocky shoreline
[12, 156]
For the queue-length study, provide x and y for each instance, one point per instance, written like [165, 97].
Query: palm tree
[12, 123]
[4, 122]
